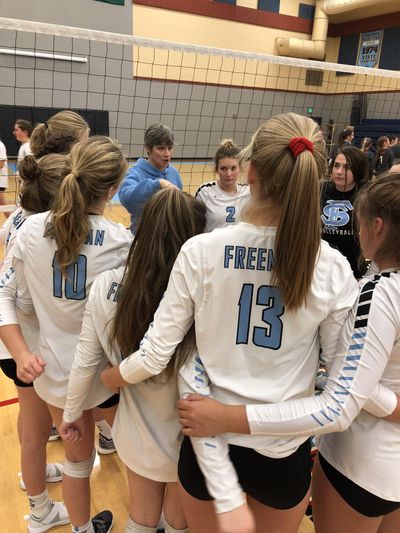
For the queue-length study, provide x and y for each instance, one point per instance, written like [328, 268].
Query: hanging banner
[370, 48]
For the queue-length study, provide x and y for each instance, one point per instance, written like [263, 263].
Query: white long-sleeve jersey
[252, 348]
[59, 302]
[222, 208]
[27, 321]
[146, 430]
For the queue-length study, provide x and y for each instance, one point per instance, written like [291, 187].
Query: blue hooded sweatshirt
[139, 185]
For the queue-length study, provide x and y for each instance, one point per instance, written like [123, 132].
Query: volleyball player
[348, 495]
[120, 307]
[57, 256]
[224, 198]
[58, 134]
[40, 184]
[265, 294]
[3, 175]
[22, 132]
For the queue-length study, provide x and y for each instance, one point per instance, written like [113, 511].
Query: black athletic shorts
[278, 483]
[110, 402]
[359, 499]
[2, 189]
[9, 367]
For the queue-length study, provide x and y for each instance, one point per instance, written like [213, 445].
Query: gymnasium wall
[94, 14]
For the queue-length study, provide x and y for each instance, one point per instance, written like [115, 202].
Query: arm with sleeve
[88, 356]
[136, 189]
[362, 356]
[212, 453]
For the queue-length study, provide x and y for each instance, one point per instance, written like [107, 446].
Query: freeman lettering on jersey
[97, 238]
[113, 291]
[248, 258]
[94, 238]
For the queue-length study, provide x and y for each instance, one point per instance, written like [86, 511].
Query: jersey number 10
[270, 298]
[74, 282]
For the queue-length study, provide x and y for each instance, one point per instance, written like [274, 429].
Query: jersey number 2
[230, 217]
[269, 297]
[74, 282]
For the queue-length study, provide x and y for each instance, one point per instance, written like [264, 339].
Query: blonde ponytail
[97, 165]
[291, 183]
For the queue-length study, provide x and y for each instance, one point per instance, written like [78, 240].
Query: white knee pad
[134, 527]
[80, 470]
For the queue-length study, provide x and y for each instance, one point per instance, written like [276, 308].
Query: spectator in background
[150, 175]
[3, 175]
[394, 146]
[369, 152]
[384, 157]
[348, 173]
[22, 132]
[345, 138]
[395, 169]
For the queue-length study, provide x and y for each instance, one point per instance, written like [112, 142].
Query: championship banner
[370, 49]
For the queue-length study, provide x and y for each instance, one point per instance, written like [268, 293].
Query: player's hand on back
[200, 416]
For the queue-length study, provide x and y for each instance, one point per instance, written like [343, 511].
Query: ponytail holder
[299, 144]
[46, 125]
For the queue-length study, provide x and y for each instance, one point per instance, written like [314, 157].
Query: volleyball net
[121, 84]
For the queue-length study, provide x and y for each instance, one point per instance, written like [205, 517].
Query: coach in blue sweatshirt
[150, 175]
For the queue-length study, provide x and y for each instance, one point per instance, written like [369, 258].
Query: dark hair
[366, 144]
[158, 135]
[357, 162]
[381, 198]
[349, 130]
[392, 138]
[169, 219]
[227, 149]
[24, 125]
[380, 146]
[41, 180]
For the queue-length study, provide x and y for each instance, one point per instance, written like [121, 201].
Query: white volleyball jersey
[28, 322]
[369, 440]
[4, 168]
[146, 430]
[252, 348]
[24, 150]
[222, 208]
[59, 302]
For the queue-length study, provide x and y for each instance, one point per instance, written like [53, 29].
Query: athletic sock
[87, 528]
[105, 428]
[40, 505]
[169, 529]
[134, 527]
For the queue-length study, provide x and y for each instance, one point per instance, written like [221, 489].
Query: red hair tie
[299, 144]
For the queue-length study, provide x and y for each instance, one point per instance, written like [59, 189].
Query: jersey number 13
[269, 298]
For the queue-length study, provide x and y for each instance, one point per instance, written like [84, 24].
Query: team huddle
[209, 317]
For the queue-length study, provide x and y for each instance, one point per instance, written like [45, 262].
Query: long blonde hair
[58, 133]
[291, 184]
[97, 165]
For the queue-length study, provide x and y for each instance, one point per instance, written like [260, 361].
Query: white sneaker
[57, 516]
[54, 473]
